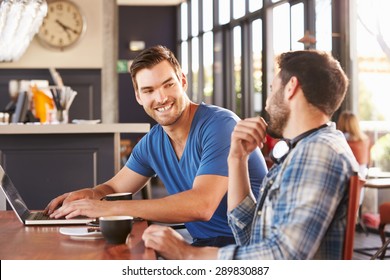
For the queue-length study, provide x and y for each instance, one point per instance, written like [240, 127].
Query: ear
[137, 97]
[292, 87]
[184, 82]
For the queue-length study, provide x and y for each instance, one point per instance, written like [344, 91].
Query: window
[237, 48]
[195, 68]
[207, 15]
[238, 8]
[281, 35]
[373, 58]
[184, 21]
[237, 52]
[257, 65]
[323, 12]
[184, 57]
[224, 11]
[227, 62]
[194, 17]
[255, 5]
[208, 59]
[297, 26]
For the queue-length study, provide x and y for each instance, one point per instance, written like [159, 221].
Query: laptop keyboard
[40, 216]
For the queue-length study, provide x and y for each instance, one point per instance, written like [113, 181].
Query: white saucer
[81, 233]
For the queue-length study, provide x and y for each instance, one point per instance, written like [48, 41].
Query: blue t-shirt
[206, 152]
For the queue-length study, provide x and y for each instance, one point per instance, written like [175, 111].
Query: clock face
[63, 25]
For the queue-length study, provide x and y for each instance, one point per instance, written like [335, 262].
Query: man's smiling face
[162, 93]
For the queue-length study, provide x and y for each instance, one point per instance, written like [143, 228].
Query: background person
[359, 142]
[348, 123]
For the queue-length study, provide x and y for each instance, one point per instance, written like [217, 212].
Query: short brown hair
[151, 57]
[320, 76]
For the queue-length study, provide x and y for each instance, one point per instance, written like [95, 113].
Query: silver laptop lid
[21, 210]
[13, 197]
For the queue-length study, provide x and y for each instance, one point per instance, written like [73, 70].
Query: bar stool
[384, 214]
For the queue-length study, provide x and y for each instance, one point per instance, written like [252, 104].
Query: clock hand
[61, 24]
[66, 28]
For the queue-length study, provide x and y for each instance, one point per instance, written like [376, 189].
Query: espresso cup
[115, 229]
[118, 196]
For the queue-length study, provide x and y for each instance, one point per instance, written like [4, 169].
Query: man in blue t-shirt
[187, 150]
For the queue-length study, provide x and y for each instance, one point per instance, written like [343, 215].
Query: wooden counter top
[74, 128]
[18, 242]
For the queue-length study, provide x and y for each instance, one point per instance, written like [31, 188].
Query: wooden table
[18, 242]
[377, 183]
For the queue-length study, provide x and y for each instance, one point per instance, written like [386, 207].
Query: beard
[277, 115]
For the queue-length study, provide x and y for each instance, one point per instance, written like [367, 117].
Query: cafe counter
[44, 161]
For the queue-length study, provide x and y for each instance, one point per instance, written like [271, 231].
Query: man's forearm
[178, 208]
[202, 253]
[102, 190]
[239, 183]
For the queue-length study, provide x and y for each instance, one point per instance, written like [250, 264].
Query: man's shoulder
[328, 137]
[329, 143]
[213, 122]
[207, 111]
[331, 136]
[214, 119]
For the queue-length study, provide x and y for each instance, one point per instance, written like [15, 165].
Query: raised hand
[247, 135]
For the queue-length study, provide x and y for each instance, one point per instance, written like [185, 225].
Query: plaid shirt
[304, 214]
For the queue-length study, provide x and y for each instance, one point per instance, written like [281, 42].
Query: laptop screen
[12, 195]
[23, 213]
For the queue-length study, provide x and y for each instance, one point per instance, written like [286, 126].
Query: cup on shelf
[4, 118]
[56, 116]
[116, 229]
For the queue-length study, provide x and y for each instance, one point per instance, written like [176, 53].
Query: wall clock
[63, 26]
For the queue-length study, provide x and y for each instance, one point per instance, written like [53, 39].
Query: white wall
[87, 53]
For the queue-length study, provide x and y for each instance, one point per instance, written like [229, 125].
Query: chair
[355, 185]
[126, 147]
[384, 214]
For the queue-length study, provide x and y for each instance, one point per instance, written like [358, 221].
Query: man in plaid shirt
[301, 214]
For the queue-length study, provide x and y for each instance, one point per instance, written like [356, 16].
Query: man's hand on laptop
[84, 207]
[68, 197]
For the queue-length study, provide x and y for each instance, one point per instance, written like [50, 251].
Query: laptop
[26, 216]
